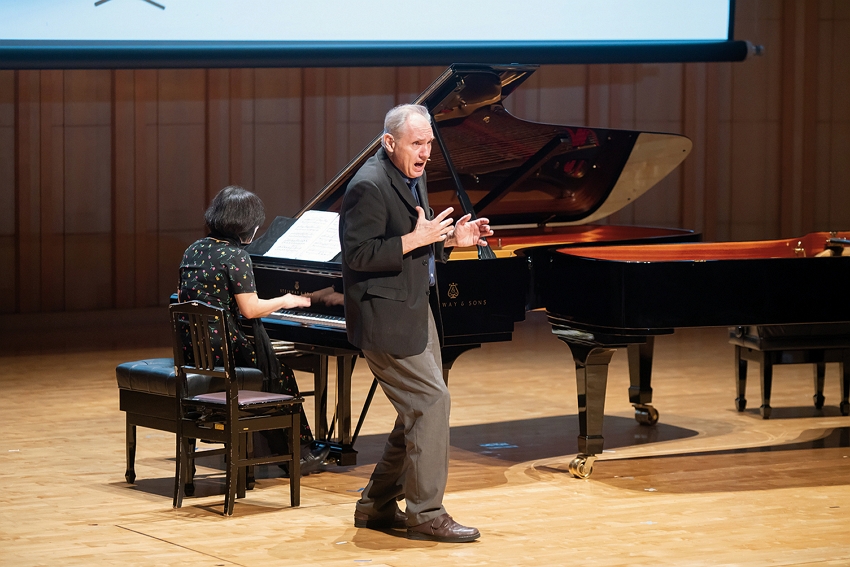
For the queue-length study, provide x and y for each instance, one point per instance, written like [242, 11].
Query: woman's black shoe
[313, 460]
[310, 462]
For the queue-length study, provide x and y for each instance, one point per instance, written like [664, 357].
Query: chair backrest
[201, 330]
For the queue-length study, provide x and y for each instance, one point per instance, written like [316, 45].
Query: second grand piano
[623, 296]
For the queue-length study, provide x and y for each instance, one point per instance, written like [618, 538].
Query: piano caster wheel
[741, 403]
[582, 466]
[819, 400]
[130, 477]
[765, 412]
[646, 415]
[189, 489]
[845, 408]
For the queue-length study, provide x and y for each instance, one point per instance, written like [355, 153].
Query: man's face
[411, 149]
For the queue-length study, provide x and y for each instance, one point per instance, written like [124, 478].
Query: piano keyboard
[309, 319]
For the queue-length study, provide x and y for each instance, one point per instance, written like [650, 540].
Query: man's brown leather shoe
[443, 528]
[397, 521]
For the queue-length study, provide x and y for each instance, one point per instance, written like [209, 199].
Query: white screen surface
[365, 20]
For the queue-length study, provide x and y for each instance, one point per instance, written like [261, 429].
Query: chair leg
[242, 471]
[232, 467]
[740, 379]
[250, 479]
[189, 467]
[820, 374]
[295, 463]
[130, 446]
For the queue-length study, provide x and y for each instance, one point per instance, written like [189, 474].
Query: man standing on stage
[390, 241]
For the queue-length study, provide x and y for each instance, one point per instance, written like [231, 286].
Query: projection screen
[210, 33]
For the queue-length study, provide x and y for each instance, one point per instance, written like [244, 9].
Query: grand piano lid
[520, 173]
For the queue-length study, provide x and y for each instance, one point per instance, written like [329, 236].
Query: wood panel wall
[104, 175]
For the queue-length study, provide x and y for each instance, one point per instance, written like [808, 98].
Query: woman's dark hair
[235, 212]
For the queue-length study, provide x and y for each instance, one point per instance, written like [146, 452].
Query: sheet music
[314, 237]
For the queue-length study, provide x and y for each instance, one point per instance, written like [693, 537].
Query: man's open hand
[427, 231]
[469, 233]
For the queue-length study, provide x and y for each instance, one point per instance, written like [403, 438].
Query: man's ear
[389, 143]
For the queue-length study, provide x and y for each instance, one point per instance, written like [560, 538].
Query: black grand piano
[542, 186]
[624, 296]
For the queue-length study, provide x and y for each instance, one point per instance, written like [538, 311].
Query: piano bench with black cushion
[769, 345]
[146, 390]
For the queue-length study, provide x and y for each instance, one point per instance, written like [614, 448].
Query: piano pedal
[646, 414]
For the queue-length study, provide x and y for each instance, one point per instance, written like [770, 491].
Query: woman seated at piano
[217, 270]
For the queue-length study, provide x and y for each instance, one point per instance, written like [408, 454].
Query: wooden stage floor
[706, 486]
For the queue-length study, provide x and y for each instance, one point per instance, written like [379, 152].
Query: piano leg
[844, 378]
[320, 387]
[640, 377]
[591, 382]
[740, 378]
[344, 369]
[820, 378]
[766, 375]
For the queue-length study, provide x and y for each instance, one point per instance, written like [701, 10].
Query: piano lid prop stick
[484, 252]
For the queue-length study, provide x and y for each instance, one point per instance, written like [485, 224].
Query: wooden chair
[229, 417]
